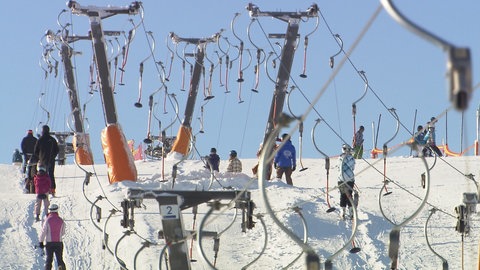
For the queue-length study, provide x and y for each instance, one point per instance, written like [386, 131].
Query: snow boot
[37, 218]
[343, 213]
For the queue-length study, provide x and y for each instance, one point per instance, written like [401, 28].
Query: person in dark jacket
[46, 149]
[28, 146]
[52, 232]
[42, 188]
[285, 159]
[213, 160]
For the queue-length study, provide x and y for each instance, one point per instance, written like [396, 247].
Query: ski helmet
[53, 208]
[233, 153]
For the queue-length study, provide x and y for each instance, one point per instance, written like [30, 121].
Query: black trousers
[346, 192]
[57, 249]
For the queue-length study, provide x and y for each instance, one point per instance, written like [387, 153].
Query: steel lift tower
[184, 135]
[118, 158]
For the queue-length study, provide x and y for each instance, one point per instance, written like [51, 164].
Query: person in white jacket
[346, 180]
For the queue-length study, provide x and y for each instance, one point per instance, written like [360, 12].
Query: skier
[52, 232]
[285, 159]
[346, 180]
[430, 137]
[17, 158]
[46, 149]
[234, 164]
[358, 143]
[28, 146]
[213, 160]
[42, 188]
[420, 140]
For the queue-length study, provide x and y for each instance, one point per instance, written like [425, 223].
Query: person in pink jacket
[42, 184]
[52, 232]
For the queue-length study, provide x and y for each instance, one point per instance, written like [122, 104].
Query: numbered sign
[169, 211]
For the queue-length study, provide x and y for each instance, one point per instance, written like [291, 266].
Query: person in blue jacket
[285, 159]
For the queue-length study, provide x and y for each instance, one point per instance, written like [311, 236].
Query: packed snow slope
[301, 209]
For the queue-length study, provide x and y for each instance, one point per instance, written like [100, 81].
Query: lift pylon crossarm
[176, 39]
[190, 198]
[254, 11]
[103, 12]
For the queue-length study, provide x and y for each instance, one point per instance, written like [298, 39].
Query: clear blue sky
[405, 72]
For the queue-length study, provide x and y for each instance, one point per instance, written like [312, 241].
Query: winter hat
[45, 129]
[213, 150]
[233, 153]
[53, 208]
[30, 131]
[285, 137]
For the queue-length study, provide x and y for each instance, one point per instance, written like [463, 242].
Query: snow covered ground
[306, 200]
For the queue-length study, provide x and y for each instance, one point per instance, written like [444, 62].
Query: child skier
[42, 188]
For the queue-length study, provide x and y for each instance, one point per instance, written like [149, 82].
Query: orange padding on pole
[81, 145]
[183, 140]
[118, 157]
[448, 152]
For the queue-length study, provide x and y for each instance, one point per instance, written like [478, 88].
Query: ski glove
[294, 168]
[41, 245]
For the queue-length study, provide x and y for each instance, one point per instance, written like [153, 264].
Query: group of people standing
[39, 166]
[40, 152]
[213, 162]
[425, 139]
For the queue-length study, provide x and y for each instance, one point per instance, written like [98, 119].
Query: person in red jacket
[52, 232]
[42, 184]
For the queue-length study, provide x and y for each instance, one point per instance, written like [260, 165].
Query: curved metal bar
[427, 191]
[305, 45]
[230, 224]
[327, 164]
[328, 261]
[144, 245]
[393, 111]
[147, 139]
[265, 242]
[340, 42]
[385, 150]
[63, 26]
[266, 66]
[305, 236]
[259, 54]
[170, 97]
[172, 56]
[91, 212]
[364, 77]
[265, 159]
[240, 49]
[199, 237]
[119, 261]
[260, 51]
[404, 21]
[394, 244]
[292, 88]
[43, 108]
[104, 232]
[162, 253]
[354, 104]
[444, 261]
